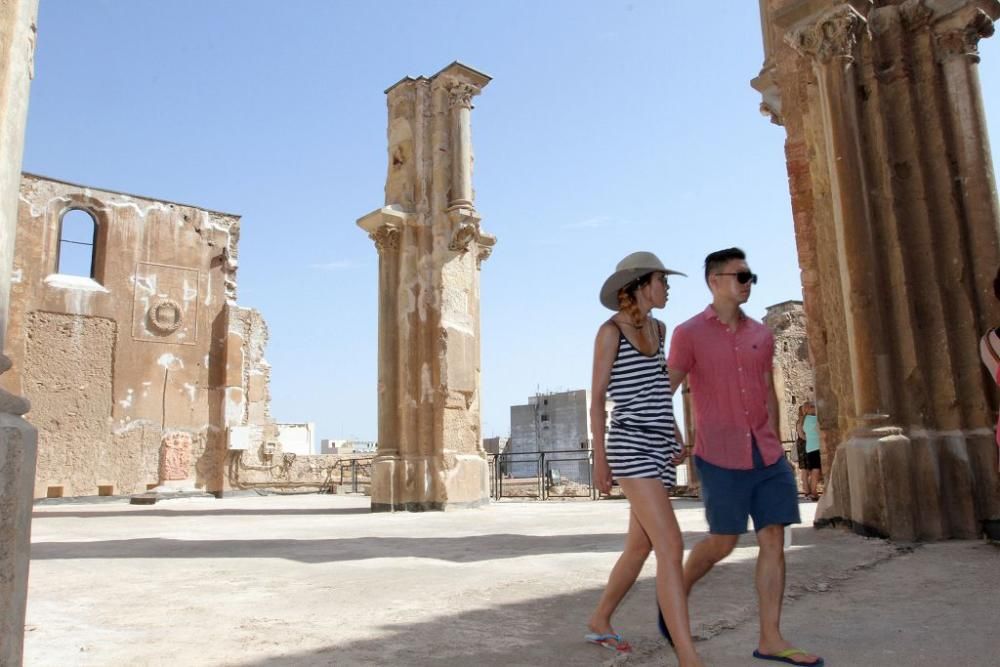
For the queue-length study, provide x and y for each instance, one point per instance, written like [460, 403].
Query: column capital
[384, 226]
[958, 33]
[832, 34]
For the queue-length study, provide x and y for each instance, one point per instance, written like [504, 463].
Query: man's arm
[772, 404]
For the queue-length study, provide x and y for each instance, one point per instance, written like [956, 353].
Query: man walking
[727, 359]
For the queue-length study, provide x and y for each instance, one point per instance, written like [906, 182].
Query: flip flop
[660, 623]
[608, 640]
[786, 657]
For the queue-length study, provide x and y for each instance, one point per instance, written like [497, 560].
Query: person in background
[989, 352]
[814, 466]
[800, 451]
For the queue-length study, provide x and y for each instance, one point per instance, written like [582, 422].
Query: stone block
[18, 451]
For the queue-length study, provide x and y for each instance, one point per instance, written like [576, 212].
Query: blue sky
[609, 127]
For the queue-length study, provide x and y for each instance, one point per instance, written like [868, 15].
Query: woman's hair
[627, 301]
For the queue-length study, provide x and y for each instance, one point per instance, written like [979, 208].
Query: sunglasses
[742, 277]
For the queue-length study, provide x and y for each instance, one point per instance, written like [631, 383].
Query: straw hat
[633, 266]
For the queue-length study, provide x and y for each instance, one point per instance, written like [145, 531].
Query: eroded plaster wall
[113, 361]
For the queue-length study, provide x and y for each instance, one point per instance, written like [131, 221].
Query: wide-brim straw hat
[633, 266]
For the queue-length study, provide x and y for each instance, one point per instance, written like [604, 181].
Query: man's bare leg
[770, 580]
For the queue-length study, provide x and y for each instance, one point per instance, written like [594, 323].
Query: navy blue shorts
[766, 493]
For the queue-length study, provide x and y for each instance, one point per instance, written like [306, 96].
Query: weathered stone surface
[18, 439]
[896, 223]
[175, 457]
[793, 374]
[115, 359]
[431, 247]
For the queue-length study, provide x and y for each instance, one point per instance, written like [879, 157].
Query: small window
[784, 346]
[544, 418]
[545, 401]
[77, 232]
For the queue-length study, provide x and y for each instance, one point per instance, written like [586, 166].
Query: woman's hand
[679, 459]
[602, 475]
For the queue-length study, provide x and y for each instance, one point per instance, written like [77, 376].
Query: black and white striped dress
[641, 441]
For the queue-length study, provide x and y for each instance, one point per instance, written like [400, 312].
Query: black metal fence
[354, 473]
[548, 481]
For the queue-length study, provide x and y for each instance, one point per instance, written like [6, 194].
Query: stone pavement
[282, 581]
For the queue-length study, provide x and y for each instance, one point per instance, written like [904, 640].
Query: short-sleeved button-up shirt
[727, 373]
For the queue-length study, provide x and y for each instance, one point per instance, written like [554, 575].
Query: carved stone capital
[460, 94]
[833, 35]
[384, 227]
[486, 243]
[963, 39]
[386, 238]
[766, 84]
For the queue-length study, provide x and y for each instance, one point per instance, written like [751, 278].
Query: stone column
[899, 238]
[18, 439]
[431, 246]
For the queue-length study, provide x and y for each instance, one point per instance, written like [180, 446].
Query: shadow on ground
[549, 630]
[56, 514]
[455, 549]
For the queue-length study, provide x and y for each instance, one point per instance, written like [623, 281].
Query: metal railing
[355, 472]
[547, 477]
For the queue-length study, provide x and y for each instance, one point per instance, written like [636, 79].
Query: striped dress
[641, 441]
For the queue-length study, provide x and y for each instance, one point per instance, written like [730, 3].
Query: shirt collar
[710, 314]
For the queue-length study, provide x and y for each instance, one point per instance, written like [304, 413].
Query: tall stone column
[430, 245]
[899, 238]
[18, 439]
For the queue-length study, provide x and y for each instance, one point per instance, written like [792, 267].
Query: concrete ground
[318, 580]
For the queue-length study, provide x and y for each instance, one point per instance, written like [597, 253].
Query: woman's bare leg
[623, 575]
[651, 505]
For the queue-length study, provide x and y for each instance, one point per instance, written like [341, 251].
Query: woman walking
[641, 449]
[809, 430]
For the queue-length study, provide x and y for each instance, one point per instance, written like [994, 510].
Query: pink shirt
[726, 373]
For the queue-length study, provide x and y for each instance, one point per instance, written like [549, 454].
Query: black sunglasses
[742, 277]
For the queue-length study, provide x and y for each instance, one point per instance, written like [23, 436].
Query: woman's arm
[605, 350]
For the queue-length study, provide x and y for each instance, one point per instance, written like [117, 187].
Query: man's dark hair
[996, 285]
[718, 259]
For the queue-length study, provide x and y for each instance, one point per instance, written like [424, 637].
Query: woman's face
[657, 290]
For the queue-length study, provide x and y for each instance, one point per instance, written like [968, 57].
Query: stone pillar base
[18, 453]
[428, 483]
[920, 486]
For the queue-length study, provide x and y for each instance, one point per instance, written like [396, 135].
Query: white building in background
[341, 447]
[297, 438]
[557, 424]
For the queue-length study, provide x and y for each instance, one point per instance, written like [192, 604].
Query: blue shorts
[766, 493]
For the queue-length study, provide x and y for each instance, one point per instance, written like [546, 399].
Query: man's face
[725, 281]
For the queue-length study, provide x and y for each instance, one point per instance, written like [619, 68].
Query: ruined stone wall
[111, 362]
[431, 245]
[793, 375]
[896, 223]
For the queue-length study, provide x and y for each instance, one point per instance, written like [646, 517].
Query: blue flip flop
[786, 657]
[608, 640]
[663, 626]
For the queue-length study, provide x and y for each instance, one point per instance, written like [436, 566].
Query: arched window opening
[77, 234]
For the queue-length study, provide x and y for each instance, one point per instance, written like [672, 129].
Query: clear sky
[609, 127]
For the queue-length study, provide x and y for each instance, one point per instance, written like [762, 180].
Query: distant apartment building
[341, 447]
[557, 424]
